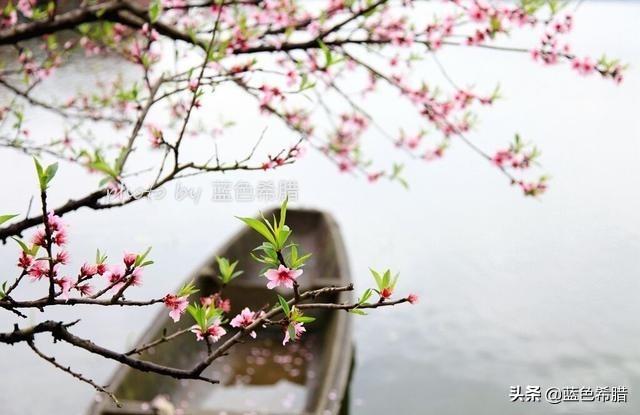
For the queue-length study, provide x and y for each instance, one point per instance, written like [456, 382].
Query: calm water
[513, 291]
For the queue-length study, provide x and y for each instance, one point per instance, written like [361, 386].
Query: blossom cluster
[113, 276]
[282, 272]
[282, 51]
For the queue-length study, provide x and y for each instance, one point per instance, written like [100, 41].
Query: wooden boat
[262, 376]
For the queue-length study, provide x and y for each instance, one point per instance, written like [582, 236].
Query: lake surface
[514, 291]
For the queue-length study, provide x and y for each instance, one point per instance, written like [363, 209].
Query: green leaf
[155, 8]
[223, 264]
[45, 175]
[204, 316]
[282, 234]
[105, 180]
[386, 279]
[396, 175]
[292, 332]
[305, 319]
[365, 296]
[140, 258]
[328, 56]
[100, 258]
[51, 171]
[296, 261]
[496, 25]
[101, 12]
[40, 172]
[29, 251]
[271, 227]
[24, 247]
[305, 83]
[187, 289]
[378, 278]
[266, 247]
[358, 312]
[284, 305]
[227, 270]
[101, 165]
[120, 160]
[5, 218]
[261, 228]
[265, 260]
[394, 281]
[283, 212]
[199, 315]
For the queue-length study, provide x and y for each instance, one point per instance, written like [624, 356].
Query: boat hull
[262, 376]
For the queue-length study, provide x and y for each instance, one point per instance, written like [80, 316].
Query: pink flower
[412, 298]
[292, 77]
[38, 270]
[39, 238]
[501, 157]
[533, 188]
[345, 165]
[155, 136]
[60, 237]
[298, 328]
[88, 270]
[150, 33]
[65, 285]
[215, 331]
[115, 274]
[477, 13]
[282, 276]
[217, 301]
[535, 54]
[268, 165]
[207, 301]
[85, 289]
[176, 305]
[101, 269]
[130, 259]
[62, 257]
[373, 177]
[245, 319]
[386, 292]
[224, 304]
[136, 277]
[584, 66]
[55, 222]
[269, 94]
[25, 260]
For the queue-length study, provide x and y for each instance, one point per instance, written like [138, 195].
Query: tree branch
[76, 375]
[60, 332]
[44, 302]
[64, 21]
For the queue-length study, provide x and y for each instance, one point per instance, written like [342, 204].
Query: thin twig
[76, 375]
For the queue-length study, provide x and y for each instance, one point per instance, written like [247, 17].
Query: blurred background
[513, 290]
